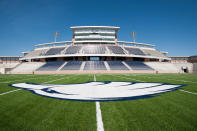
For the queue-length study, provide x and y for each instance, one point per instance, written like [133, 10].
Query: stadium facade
[96, 49]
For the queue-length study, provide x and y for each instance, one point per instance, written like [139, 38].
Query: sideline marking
[20, 89]
[98, 115]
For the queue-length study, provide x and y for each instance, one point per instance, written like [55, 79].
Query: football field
[23, 110]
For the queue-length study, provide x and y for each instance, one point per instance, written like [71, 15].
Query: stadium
[95, 82]
[96, 49]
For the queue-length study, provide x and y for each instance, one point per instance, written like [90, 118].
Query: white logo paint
[99, 91]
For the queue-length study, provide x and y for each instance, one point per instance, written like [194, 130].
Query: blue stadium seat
[134, 51]
[116, 49]
[117, 65]
[94, 49]
[73, 50]
[72, 65]
[95, 65]
[137, 65]
[55, 51]
[50, 66]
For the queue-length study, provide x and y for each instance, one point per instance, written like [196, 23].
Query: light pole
[55, 35]
[133, 35]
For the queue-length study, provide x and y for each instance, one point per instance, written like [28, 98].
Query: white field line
[99, 117]
[53, 80]
[177, 80]
[9, 92]
[98, 114]
[94, 77]
[17, 80]
[188, 92]
[21, 89]
[166, 78]
[128, 78]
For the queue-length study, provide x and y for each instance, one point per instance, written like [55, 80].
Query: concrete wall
[2, 70]
[194, 67]
[180, 66]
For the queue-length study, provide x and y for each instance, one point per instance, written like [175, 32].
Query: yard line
[53, 80]
[94, 78]
[9, 92]
[189, 92]
[20, 89]
[167, 78]
[128, 78]
[16, 80]
[99, 117]
[98, 114]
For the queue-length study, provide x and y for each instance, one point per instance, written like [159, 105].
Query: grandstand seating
[94, 49]
[72, 65]
[27, 67]
[35, 53]
[137, 65]
[55, 51]
[116, 49]
[117, 65]
[73, 50]
[95, 65]
[134, 51]
[9, 65]
[153, 53]
[50, 66]
[163, 67]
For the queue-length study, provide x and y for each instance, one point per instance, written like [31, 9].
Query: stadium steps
[107, 65]
[95, 65]
[126, 65]
[125, 51]
[117, 65]
[108, 51]
[63, 52]
[62, 66]
[50, 66]
[82, 66]
[72, 65]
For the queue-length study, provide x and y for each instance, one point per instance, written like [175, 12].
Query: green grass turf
[23, 110]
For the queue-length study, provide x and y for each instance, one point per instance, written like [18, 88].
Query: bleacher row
[80, 65]
[95, 49]
[92, 65]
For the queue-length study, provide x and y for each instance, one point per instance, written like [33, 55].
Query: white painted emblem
[99, 91]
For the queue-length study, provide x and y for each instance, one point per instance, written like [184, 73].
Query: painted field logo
[99, 91]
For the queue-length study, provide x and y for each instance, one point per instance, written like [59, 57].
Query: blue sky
[171, 25]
